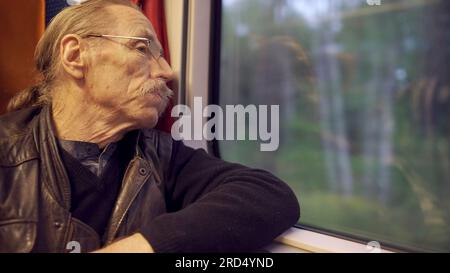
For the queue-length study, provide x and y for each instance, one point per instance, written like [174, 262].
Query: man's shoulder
[16, 137]
[17, 122]
[156, 138]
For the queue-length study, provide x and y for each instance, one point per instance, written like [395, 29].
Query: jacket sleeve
[216, 206]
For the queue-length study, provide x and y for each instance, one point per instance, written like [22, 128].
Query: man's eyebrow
[149, 36]
[144, 34]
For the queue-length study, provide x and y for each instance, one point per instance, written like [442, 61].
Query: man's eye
[142, 49]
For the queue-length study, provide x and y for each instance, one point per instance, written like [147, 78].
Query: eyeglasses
[151, 49]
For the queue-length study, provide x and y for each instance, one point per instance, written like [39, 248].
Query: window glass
[364, 102]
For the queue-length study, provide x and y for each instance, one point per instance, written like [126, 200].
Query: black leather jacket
[35, 196]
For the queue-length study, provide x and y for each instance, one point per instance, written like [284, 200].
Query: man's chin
[153, 111]
[147, 119]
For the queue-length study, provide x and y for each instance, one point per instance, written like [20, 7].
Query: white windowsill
[296, 240]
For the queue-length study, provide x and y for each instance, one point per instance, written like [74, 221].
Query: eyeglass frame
[148, 41]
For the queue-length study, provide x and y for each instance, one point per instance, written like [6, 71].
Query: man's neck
[78, 120]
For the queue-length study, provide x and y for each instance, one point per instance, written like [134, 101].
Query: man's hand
[135, 243]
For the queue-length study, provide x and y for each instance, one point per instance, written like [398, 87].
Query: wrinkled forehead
[130, 22]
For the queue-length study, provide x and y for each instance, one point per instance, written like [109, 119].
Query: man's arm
[135, 243]
[216, 206]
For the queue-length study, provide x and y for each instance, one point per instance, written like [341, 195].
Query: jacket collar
[53, 171]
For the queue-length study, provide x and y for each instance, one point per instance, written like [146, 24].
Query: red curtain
[154, 10]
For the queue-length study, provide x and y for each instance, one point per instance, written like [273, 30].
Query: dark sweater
[219, 206]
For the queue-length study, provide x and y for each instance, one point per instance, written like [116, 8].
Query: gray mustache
[157, 86]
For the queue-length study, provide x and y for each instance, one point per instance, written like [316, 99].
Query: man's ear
[71, 60]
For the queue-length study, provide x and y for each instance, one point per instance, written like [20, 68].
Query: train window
[363, 90]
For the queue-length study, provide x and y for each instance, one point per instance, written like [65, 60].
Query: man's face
[121, 79]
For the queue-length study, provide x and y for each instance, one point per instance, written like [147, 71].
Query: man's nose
[161, 69]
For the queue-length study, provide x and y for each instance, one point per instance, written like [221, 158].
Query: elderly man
[80, 165]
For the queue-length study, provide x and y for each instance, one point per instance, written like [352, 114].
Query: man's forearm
[135, 243]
